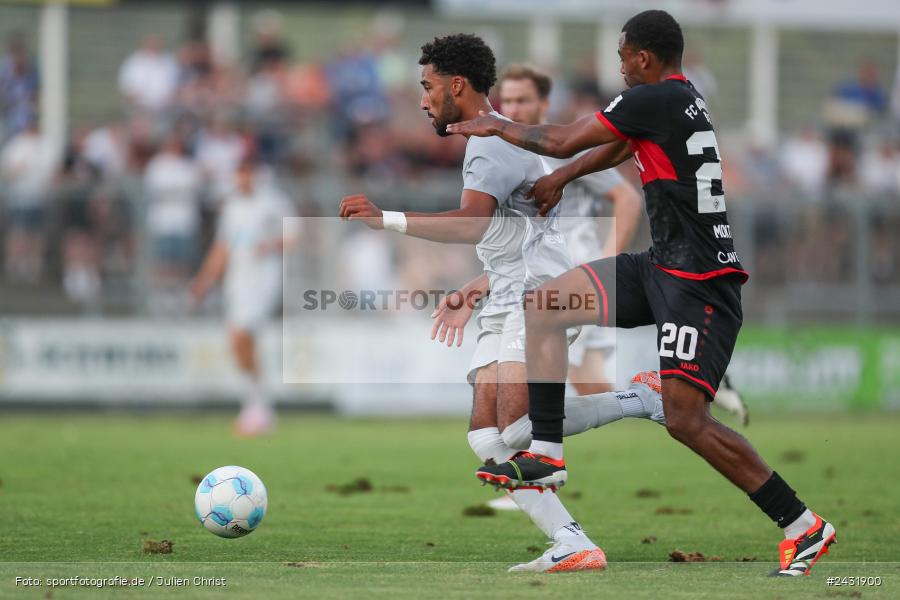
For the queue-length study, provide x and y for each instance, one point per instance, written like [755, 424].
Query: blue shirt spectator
[19, 85]
[865, 90]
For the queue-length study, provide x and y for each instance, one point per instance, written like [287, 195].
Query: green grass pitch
[80, 494]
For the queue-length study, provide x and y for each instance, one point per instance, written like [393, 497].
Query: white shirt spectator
[149, 78]
[703, 80]
[104, 149]
[700, 75]
[805, 162]
[27, 163]
[172, 183]
[879, 169]
[264, 94]
[218, 154]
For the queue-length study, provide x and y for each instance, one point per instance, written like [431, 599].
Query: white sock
[587, 412]
[255, 393]
[800, 525]
[546, 511]
[550, 449]
[639, 401]
[584, 413]
[487, 444]
[572, 529]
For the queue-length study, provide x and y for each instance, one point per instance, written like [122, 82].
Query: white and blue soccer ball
[231, 501]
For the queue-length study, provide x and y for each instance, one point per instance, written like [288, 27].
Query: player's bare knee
[539, 317]
[686, 408]
[683, 426]
[686, 421]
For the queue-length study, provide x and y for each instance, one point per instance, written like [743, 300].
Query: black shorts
[697, 321]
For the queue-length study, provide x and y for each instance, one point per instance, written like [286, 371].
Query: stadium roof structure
[882, 15]
[763, 18]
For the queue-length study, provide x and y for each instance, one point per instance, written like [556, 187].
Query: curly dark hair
[462, 54]
[658, 32]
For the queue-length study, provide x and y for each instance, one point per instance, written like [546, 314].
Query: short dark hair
[462, 54]
[519, 71]
[657, 32]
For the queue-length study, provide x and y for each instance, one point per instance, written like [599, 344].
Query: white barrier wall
[361, 367]
[118, 361]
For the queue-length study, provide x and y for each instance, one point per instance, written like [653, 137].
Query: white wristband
[394, 221]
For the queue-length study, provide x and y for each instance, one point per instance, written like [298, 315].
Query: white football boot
[255, 419]
[569, 553]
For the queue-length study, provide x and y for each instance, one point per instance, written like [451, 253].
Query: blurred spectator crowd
[149, 182]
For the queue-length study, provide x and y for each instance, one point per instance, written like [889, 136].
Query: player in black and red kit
[688, 284]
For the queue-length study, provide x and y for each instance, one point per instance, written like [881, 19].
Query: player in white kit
[525, 98]
[251, 238]
[518, 251]
[524, 95]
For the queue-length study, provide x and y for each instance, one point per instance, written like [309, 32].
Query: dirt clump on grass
[154, 547]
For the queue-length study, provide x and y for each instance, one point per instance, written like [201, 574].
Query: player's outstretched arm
[212, 270]
[455, 310]
[547, 191]
[464, 225]
[560, 141]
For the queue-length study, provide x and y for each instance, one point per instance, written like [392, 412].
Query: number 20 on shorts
[684, 339]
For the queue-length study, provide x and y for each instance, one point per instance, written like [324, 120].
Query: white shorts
[584, 240]
[501, 338]
[592, 338]
[251, 309]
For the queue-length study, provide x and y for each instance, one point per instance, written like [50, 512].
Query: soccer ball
[231, 501]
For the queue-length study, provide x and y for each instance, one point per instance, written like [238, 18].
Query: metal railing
[837, 258]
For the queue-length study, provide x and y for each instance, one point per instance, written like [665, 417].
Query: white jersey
[245, 223]
[582, 202]
[519, 250]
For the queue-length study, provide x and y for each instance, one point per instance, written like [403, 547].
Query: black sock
[778, 500]
[547, 409]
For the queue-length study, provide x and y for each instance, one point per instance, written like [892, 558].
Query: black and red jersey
[675, 150]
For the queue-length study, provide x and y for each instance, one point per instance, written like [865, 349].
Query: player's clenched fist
[359, 207]
[547, 192]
